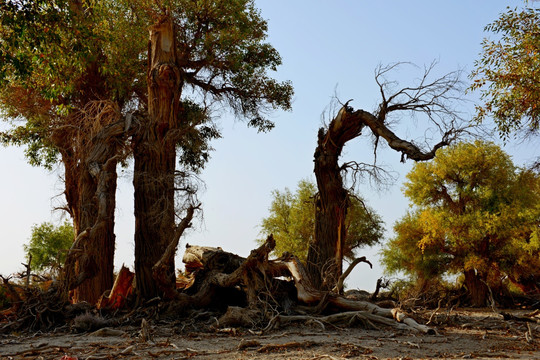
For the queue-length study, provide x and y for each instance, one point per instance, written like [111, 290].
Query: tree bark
[155, 155]
[324, 260]
[477, 288]
[98, 201]
[325, 254]
[89, 267]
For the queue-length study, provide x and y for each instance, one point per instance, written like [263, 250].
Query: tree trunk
[155, 155]
[92, 201]
[476, 287]
[325, 254]
[98, 201]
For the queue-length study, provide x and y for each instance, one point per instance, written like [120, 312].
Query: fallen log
[260, 279]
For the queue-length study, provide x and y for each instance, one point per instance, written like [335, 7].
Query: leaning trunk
[155, 155]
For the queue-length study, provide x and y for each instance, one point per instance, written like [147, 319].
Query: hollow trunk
[476, 287]
[155, 155]
[325, 254]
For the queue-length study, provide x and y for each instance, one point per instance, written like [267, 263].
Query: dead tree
[276, 292]
[431, 98]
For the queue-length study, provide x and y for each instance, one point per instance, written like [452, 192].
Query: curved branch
[339, 286]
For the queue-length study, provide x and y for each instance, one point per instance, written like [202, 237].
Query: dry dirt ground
[461, 334]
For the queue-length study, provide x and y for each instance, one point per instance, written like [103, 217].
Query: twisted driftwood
[261, 280]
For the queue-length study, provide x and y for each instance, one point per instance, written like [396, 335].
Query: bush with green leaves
[48, 245]
[292, 222]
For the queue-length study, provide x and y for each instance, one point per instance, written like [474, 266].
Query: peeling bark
[155, 155]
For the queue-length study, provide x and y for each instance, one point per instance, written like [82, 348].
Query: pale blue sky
[328, 47]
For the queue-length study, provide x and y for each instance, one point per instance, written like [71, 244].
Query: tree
[215, 48]
[507, 73]
[423, 266]
[84, 91]
[49, 245]
[60, 74]
[292, 222]
[429, 97]
[475, 214]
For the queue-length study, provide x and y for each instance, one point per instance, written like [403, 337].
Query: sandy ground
[462, 334]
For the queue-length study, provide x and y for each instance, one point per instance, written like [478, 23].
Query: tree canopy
[292, 222]
[49, 244]
[474, 213]
[75, 81]
[508, 72]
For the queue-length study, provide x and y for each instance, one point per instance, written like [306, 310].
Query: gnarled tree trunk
[324, 260]
[325, 254]
[89, 267]
[98, 201]
[155, 155]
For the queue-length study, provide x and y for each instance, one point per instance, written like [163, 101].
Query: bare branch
[339, 286]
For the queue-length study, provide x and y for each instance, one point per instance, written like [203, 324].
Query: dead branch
[28, 271]
[16, 299]
[339, 286]
[161, 268]
[345, 318]
[290, 345]
[309, 295]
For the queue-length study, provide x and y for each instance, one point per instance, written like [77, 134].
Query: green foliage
[49, 244]
[222, 44]
[292, 222]
[508, 72]
[402, 253]
[473, 210]
[56, 56]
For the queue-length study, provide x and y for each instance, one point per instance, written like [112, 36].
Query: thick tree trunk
[325, 254]
[98, 199]
[155, 155]
[478, 290]
[89, 265]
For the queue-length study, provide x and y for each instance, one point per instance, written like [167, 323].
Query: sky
[329, 49]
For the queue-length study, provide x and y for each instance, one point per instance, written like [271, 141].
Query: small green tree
[49, 244]
[474, 214]
[507, 72]
[292, 222]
